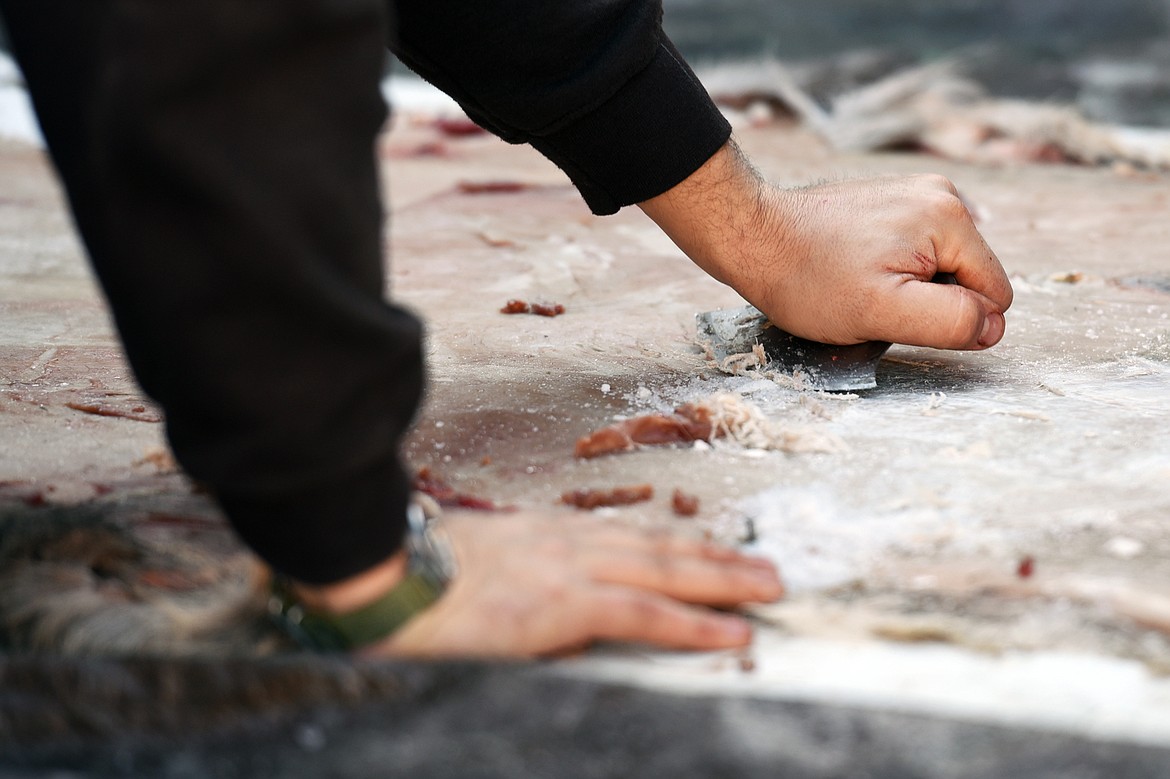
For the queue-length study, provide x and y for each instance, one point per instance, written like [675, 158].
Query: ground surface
[987, 543]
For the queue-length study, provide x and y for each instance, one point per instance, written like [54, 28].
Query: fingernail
[993, 329]
[759, 563]
[771, 587]
[767, 576]
[733, 628]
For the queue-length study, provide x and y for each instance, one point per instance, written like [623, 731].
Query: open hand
[529, 585]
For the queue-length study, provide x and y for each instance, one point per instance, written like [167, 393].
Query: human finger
[961, 250]
[980, 271]
[935, 181]
[626, 614]
[664, 541]
[942, 316]
[690, 579]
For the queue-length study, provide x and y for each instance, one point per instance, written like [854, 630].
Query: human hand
[529, 586]
[842, 262]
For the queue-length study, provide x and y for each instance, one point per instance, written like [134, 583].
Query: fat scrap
[539, 309]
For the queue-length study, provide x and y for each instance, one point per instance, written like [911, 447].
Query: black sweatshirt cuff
[656, 131]
[325, 534]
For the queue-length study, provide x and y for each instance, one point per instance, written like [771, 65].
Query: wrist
[356, 591]
[717, 215]
[368, 608]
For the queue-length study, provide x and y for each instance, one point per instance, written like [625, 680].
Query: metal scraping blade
[822, 366]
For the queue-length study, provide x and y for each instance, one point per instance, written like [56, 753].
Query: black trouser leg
[219, 159]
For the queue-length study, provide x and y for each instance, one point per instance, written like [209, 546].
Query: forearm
[715, 215]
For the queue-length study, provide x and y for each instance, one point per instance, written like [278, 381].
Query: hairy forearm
[715, 215]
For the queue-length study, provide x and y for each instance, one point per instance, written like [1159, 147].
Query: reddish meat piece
[515, 307]
[492, 187]
[618, 496]
[137, 413]
[689, 423]
[683, 504]
[548, 309]
[429, 483]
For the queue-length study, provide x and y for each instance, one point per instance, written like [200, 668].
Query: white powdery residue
[819, 541]
[1091, 696]
[759, 386]
[17, 120]
[1124, 547]
[9, 73]
[743, 423]
[411, 94]
[809, 536]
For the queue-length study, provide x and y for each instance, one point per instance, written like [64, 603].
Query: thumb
[943, 316]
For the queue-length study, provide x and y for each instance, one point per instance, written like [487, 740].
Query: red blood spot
[428, 482]
[474, 503]
[430, 149]
[36, 500]
[165, 519]
[492, 187]
[1026, 568]
[137, 413]
[458, 127]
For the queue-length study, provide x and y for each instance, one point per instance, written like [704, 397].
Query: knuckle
[1008, 296]
[643, 613]
[937, 181]
[948, 207]
[554, 547]
[558, 595]
[665, 570]
[660, 540]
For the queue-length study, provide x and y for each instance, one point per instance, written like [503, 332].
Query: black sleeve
[595, 85]
[219, 161]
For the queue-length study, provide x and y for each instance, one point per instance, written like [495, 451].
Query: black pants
[218, 156]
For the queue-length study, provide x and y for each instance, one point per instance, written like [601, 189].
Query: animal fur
[74, 582]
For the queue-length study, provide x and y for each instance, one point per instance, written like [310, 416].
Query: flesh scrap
[618, 496]
[430, 483]
[540, 309]
[684, 504]
[723, 415]
[689, 422]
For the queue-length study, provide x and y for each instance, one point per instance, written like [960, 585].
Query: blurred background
[800, 29]
[1111, 58]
